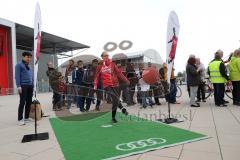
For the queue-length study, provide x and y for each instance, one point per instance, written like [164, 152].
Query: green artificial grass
[97, 138]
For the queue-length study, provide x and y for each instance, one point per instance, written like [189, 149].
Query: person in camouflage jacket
[55, 79]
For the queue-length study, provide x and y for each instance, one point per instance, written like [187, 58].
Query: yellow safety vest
[234, 67]
[215, 75]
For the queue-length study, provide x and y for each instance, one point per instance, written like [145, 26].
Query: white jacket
[144, 86]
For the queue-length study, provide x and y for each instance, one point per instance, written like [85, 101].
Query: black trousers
[113, 92]
[131, 93]
[171, 97]
[236, 91]
[90, 96]
[57, 102]
[153, 94]
[188, 90]
[124, 90]
[219, 89]
[201, 92]
[25, 101]
[107, 97]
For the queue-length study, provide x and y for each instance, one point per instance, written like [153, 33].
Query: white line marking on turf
[106, 126]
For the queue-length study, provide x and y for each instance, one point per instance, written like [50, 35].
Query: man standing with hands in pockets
[24, 82]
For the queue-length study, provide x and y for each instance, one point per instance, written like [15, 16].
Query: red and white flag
[37, 42]
[172, 40]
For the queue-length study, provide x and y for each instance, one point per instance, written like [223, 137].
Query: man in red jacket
[110, 75]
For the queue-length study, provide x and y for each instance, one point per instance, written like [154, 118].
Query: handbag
[39, 113]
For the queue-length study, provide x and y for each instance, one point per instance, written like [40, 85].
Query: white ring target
[110, 46]
[123, 43]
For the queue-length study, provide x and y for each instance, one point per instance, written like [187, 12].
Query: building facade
[15, 39]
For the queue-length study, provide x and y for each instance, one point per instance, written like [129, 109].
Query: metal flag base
[169, 120]
[35, 137]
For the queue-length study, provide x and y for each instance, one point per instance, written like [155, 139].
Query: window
[1, 45]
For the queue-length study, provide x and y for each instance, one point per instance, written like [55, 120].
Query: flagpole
[172, 39]
[169, 120]
[37, 41]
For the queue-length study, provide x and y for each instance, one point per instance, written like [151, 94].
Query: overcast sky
[206, 25]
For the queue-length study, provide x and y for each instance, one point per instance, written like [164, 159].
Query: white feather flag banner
[172, 40]
[37, 43]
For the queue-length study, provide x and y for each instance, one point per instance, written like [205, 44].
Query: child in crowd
[146, 99]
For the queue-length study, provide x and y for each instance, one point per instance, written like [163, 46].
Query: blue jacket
[77, 77]
[23, 74]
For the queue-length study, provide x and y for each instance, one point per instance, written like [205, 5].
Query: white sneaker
[21, 123]
[29, 120]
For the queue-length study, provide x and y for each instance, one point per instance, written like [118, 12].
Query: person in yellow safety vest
[234, 66]
[218, 76]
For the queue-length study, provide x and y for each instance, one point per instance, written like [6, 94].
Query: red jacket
[110, 75]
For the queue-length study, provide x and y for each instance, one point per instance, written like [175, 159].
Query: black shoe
[225, 102]
[199, 100]
[97, 108]
[223, 105]
[204, 100]
[194, 105]
[124, 111]
[87, 109]
[114, 120]
[130, 104]
[236, 103]
[158, 104]
[82, 110]
[220, 105]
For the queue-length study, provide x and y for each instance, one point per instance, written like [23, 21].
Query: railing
[43, 87]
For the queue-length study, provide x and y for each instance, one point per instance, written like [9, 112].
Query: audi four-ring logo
[140, 144]
[111, 46]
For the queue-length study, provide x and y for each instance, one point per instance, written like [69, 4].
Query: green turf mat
[98, 139]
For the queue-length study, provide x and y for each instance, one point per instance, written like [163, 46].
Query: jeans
[171, 97]
[25, 101]
[90, 97]
[193, 94]
[145, 96]
[201, 92]
[80, 102]
[82, 93]
[69, 100]
[219, 89]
